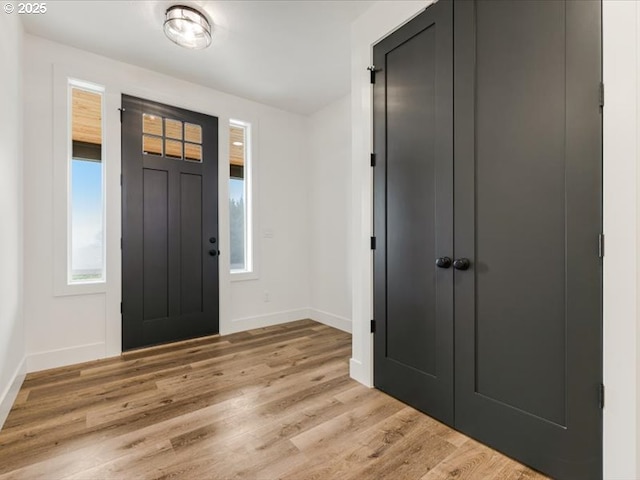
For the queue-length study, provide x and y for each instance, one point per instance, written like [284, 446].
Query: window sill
[89, 288]
[243, 276]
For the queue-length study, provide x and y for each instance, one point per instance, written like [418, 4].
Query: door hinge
[601, 245]
[373, 159]
[372, 73]
[120, 307]
[120, 179]
[601, 395]
[373, 326]
[122, 109]
[120, 243]
[601, 94]
[373, 243]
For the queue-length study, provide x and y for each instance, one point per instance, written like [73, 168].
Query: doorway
[488, 221]
[169, 224]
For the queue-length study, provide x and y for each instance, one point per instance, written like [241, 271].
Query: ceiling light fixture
[187, 27]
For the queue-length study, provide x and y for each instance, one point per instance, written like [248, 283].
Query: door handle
[214, 252]
[443, 262]
[461, 263]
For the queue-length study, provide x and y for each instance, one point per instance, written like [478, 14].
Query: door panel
[191, 245]
[155, 244]
[170, 268]
[410, 190]
[528, 215]
[520, 206]
[413, 213]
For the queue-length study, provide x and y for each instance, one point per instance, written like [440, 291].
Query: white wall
[329, 213]
[621, 25]
[621, 42]
[67, 329]
[12, 342]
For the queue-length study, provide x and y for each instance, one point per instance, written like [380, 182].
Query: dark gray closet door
[169, 223]
[413, 301]
[528, 167]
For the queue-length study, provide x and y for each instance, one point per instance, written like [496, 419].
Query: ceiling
[293, 55]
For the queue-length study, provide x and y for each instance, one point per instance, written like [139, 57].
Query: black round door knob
[213, 253]
[443, 262]
[461, 263]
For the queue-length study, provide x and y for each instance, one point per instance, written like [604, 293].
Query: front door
[413, 212]
[169, 223]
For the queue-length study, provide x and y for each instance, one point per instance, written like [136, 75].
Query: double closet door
[487, 218]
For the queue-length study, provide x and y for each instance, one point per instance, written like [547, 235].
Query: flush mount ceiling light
[187, 27]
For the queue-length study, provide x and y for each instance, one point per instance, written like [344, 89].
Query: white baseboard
[85, 353]
[356, 371]
[330, 319]
[65, 356]
[11, 392]
[260, 321]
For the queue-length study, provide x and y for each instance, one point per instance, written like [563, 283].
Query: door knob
[461, 263]
[443, 262]
[213, 253]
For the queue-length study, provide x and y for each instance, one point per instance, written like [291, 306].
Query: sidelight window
[86, 259]
[240, 197]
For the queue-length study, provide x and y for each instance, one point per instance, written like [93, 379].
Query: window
[240, 197]
[86, 259]
[168, 140]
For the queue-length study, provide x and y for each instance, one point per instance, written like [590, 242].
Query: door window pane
[151, 145]
[192, 133]
[86, 263]
[193, 152]
[173, 129]
[152, 124]
[173, 149]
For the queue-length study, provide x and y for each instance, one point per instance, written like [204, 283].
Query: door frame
[621, 73]
[117, 86]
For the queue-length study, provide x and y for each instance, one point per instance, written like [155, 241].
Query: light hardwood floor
[272, 403]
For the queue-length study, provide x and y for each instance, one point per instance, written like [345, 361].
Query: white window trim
[250, 195]
[63, 82]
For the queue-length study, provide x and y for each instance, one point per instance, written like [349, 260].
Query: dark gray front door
[169, 223]
[413, 210]
[506, 183]
[528, 202]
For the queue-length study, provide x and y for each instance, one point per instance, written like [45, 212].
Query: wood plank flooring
[272, 403]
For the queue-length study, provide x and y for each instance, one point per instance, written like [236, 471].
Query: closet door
[413, 209]
[528, 162]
